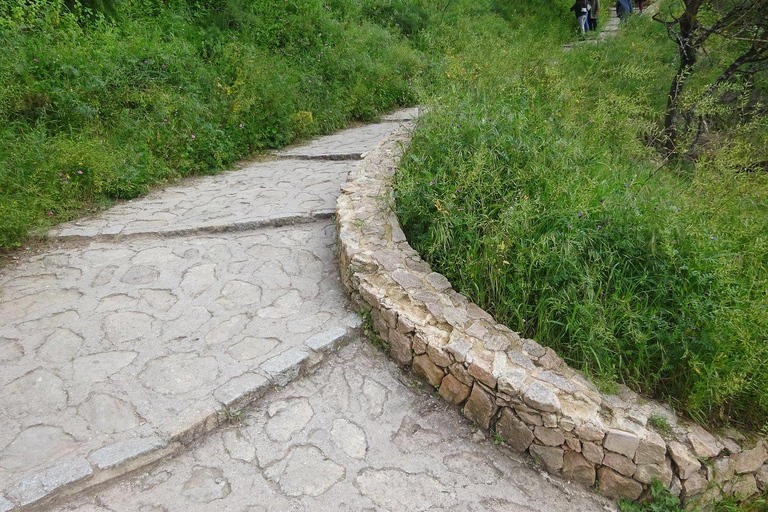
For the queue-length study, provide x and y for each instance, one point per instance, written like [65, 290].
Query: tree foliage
[735, 27]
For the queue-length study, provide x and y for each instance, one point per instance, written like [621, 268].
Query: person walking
[581, 9]
[594, 11]
[623, 9]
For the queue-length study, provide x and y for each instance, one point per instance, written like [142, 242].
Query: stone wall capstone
[516, 387]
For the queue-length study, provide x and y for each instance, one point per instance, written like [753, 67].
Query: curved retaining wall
[513, 386]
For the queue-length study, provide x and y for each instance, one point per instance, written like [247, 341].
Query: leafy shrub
[409, 17]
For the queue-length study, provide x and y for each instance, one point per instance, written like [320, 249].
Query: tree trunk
[687, 50]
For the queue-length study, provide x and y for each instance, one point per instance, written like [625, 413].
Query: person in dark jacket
[581, 9]
[623, 9]
[593, 13]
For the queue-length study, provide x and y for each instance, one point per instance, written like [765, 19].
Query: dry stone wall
[516, 387]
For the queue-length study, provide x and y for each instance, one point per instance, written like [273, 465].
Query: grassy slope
[529, 187]
[94, 111]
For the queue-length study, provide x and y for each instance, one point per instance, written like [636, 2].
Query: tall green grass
[94, 109]
[529, 186]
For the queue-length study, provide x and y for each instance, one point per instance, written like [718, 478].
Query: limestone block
[36, 486]
[458, 347]
[550, 360]
[453, 390]
[647, 472]
[590, 431]
[370, 294]
[721, 470]
[549, 436]
[461, 373]
[285, 367]
[514, 432]
[676, 487]
[694, 485]
[512, 381]
[379, 324]
[651, 449]
[579, 407]
[480, 407]
[482, 369]
[578, 469]
[400, 345]
[620, 463]
[703, 443]
[408, 280]
[621, 442]
[549, 419]
[750, 461]
[573, 443]
[592, 452]
[438, 356]
[541, 398]
[730, 445]
[550, 457]
[743, 486]
[389, 316]
[478, 329]
[762, 477]
[533, 349]
[405, 325]
[419, 343]
[556, 380]
[567, 424]
[424, 367]
[122, 451]
[475, 311]
[615, 485]
[686, 464]
[530, 417]
[438, 281]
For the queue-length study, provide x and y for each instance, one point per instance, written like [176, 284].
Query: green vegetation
[661, 425]
[370, 333]
[661, 500]
[101, 103]
[534, 185]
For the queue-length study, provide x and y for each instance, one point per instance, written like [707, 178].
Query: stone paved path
[141, 331]
[356, 435]
[138, 329]
[610, 29]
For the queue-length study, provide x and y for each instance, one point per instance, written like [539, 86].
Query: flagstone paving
[263, 193]
[143, 325]
[356, 435]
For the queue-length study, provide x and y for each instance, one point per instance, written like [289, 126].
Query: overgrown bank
[101, 104]
[531, 187]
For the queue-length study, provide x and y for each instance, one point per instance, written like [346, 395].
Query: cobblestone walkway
[356, 435]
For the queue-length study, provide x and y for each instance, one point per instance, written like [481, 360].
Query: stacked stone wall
[515, 387]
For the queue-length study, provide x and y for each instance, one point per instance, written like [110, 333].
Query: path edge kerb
[72, 478]
[513, 386]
